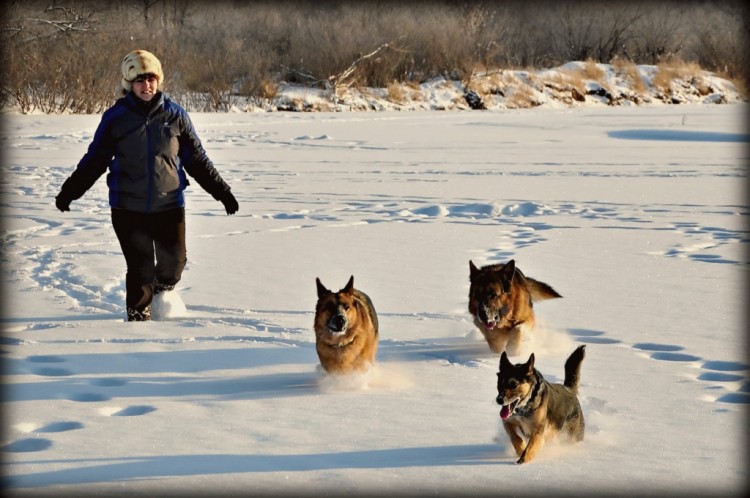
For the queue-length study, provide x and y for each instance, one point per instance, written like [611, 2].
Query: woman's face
[145, 87]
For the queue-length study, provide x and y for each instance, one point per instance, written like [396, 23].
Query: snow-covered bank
[574, 84]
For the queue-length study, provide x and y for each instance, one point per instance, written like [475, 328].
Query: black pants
[154, 248]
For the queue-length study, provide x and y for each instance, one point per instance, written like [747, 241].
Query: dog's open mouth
[507, 410]
[489, 318]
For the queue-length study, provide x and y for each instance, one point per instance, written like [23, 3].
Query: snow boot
[143, 315]
[160, 287]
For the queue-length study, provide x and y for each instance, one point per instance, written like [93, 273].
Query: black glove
[62, 203]
[230, 203]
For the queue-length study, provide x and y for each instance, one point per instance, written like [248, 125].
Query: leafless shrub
[659, 35]
[588, 29]
[719, 41]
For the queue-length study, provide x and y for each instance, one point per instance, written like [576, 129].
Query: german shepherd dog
[501, 302]
[533, 409]
[346, 329]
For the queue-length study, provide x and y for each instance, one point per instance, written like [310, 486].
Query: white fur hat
[136, 63]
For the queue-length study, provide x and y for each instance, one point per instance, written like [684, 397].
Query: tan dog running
[346, 329]
[501, 302]
[534, 410]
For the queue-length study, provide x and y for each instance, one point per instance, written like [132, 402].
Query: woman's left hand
[230, 203]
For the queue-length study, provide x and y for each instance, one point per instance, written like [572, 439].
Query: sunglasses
[145, 79]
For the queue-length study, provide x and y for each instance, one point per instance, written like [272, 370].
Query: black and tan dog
[501, 302]
[346, 329]
[534, 409]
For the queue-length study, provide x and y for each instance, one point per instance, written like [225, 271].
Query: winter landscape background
[637, 215]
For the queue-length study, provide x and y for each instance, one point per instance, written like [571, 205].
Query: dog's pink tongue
[505, 412]
[490, 325]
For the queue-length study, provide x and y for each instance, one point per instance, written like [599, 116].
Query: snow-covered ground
[636, 215]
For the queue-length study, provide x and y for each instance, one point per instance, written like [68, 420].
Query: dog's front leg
[513, 346]
[519, 444]
[536, 441]
[496, 339]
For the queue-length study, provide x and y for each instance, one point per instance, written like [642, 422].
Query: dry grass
[395, 92]
[492, 83]
[268, 89]
[403, 92]
[576, 78]
[630, 70]
[479, 85]
[522, 97]
[567, 80]
[591, 71]
[739, 83]
[674, 69]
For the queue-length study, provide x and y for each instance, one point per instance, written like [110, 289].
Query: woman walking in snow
[148, 143]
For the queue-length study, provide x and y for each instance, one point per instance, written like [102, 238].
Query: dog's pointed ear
[349, 289]
[322, 291]
[530, 364]
[473, 270]
[509, 271]
[504, 361]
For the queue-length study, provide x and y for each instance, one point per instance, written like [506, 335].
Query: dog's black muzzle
[337, 323]
[487, 316]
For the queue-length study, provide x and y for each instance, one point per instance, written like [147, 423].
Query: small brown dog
[346, 329]
[534, 410]
[501, 302]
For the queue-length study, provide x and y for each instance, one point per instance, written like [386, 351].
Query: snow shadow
[465, 353]
[27, 445]
[173, 362]
[218, 388]
[679, 135]
[100, 470]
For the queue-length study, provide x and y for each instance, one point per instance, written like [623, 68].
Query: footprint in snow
[720, 374]
[587, 336]
[52, 372]
[45, 359]
[88, 397]
[130, 411]
[665, 352]
[28, 445]
[60, 427]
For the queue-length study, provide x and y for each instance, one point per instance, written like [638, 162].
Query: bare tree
[594, 30]
[660, 34]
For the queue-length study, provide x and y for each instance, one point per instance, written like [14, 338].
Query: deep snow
[636, 215]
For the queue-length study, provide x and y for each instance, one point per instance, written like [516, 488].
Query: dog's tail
[573, 368]
[540, 291]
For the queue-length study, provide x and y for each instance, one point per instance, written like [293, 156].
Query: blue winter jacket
[147, 155]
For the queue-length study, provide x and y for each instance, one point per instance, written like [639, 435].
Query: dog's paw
[525, 458]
